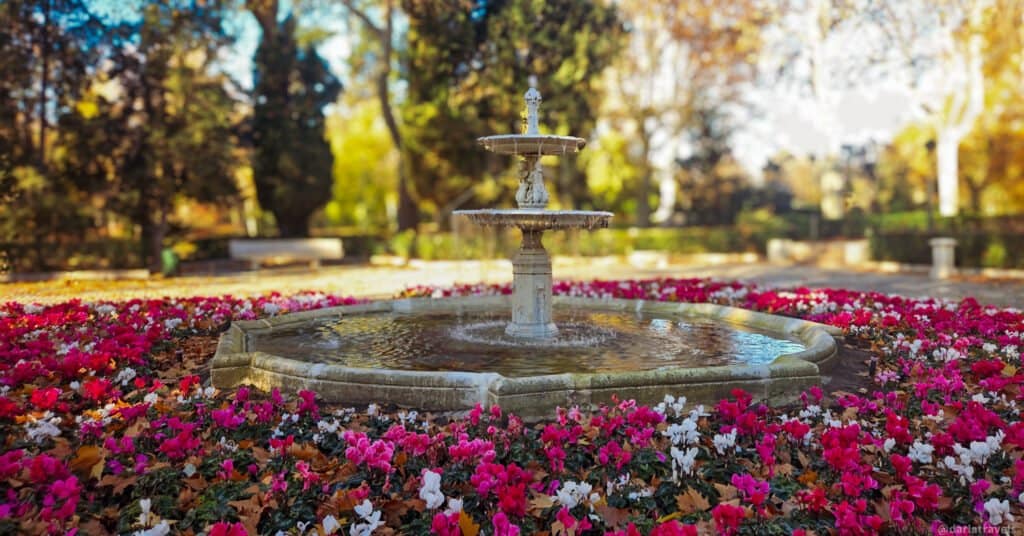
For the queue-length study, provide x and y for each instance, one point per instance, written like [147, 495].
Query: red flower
[728, 518]
[45, 398]
[222, 528]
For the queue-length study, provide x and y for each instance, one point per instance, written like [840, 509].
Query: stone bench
[260, 250]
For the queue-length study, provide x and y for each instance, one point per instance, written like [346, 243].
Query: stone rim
[532, 397]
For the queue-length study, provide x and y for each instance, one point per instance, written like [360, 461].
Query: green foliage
[467, 81]
[292, 160]
[365, 177]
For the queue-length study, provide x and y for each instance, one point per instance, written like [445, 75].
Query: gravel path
[383, 281]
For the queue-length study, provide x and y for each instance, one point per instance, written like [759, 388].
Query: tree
[292, 160]
[384, 36]
[678, 52]
[167, 133]
[467, 65]
[949, 49]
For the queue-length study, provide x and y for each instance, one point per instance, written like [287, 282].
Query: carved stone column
[531, 293]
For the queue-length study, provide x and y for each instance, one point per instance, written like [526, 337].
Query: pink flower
[446, 524]
[307, 404]
[674, 528]
[753, 490]
[223, 528]
[728, 518]
[45, 399]
[502, 525]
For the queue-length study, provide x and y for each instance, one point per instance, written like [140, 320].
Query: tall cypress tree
[292, 162]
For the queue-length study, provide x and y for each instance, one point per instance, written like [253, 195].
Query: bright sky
[790, 119]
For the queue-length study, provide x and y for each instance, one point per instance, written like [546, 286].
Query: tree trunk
[643, 199]
[946, 150]
[44, 82]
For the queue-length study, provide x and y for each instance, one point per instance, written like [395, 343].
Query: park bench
[277, 250]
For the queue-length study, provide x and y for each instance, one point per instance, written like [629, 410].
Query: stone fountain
[531, 265]
[449, 354]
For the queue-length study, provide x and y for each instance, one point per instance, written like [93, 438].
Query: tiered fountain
[452, 353]
[531, 265]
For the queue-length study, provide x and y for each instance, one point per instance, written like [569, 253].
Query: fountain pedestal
[531, 290]
[531, 265]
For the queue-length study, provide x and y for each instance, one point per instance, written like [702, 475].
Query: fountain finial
[533, 99]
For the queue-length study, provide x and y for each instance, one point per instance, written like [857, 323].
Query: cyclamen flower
[684, 433]
[573, 493]
[224, 528]
[728, 518]
[998, 511]
[430, 491]
[683, 461]
[370, 517]
[920, 452]
[724, 442]
[502, 525]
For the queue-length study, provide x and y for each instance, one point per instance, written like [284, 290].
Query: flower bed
[102, 435]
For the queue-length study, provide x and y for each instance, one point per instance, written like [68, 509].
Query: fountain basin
[539, 219]
[780, 380]
[532, 144]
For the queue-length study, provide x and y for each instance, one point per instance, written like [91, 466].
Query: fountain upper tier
[532, 144]
[539, 219]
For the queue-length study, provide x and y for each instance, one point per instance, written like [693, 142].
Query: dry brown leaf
[807, 478]
[691, 501]
[805, 462]
[726, 492]
[617, 518]
[120, 483]
[539, 502]
[87, 457]
[467, 525]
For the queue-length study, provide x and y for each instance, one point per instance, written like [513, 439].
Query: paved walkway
[382, 281]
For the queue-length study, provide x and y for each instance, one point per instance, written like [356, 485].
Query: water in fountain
[531, 265]
[587, 341]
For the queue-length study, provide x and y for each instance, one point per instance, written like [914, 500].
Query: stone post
[531, 290]
[943, 259]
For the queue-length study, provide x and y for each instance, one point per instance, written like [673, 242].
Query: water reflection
[587, 342]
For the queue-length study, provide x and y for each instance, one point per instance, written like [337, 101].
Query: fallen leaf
[86, 459]
[726, 492]
[119, 483]
[615, 517]
[691, 501]
[540, 502]
[467, 525]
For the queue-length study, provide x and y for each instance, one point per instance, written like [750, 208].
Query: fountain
[449, 354]
[531, 265]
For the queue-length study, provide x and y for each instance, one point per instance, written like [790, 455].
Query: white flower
[572, 493]
[889, 444]
[40, 430]
[683, 461]
[105, 309]
[34, 308]
[151, 398]
[364, 509]
[371, 517]
[998, 511]
[330, 525]
[724, 442]
[162, 528]
[189, 470]
[125, 375]
[271, 309]
[963, 468]
[454, 506]
[144, 506]
[172, 323]
[372, 410]
[683, 433]
[1021, 497]
[431, 490]
[811, 411]
[921, 452]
